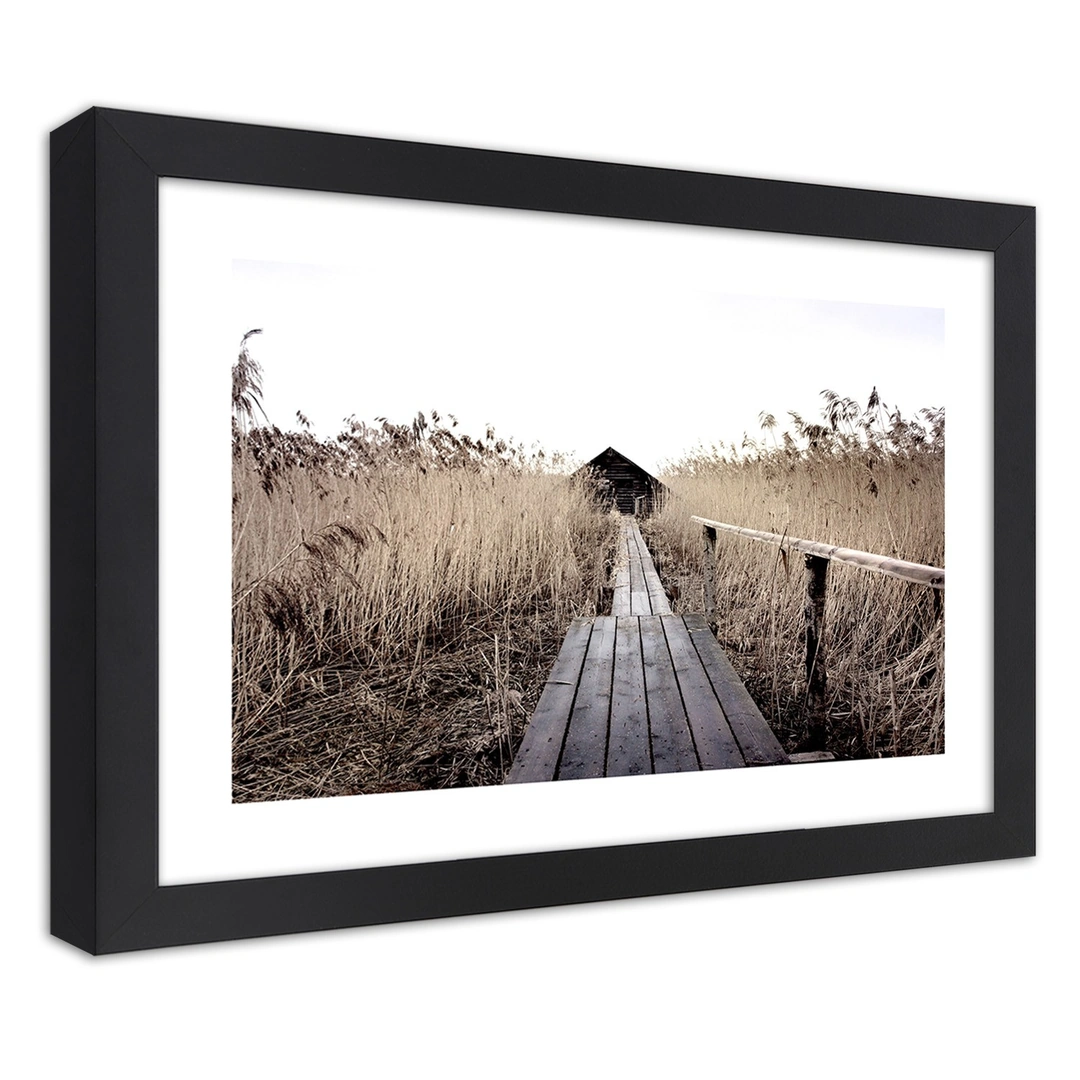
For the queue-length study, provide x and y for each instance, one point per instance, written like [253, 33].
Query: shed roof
[611, 452]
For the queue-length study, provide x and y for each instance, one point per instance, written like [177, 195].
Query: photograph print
[505, 512]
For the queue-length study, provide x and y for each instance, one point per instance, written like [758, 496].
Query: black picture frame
[104, 555]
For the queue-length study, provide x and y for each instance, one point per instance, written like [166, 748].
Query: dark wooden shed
[626, 485]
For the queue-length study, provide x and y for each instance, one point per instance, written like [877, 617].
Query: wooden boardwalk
[641, 691]
[637, 584]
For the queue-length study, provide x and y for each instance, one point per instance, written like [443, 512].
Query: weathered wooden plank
[658, 600]
[920, 573]
[584, 752]
[620, 602]
[755, 738]
[538, 756]
[672, 744]
[716, 746]
[709, 573]
[807, 756]
[817, 571]
[639, 590]
[628, 738]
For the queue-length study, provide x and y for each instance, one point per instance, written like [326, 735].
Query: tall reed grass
[399, 595]
[865, 478]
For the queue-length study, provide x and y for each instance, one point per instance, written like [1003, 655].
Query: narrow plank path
[638, 590]
[641, 691]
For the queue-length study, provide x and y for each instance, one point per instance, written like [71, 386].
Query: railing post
[709, 536]
[816, 574]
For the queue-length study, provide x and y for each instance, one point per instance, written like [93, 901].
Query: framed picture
[310, 648]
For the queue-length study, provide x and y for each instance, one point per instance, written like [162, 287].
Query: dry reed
[866, 479]
[399, 594]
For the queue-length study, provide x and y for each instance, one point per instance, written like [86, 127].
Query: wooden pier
[637, 584]
[641, 691]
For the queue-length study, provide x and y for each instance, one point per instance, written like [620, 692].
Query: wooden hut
[625, 485]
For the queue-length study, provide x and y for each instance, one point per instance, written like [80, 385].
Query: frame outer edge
[323, 161]
[117, 903]
[1014, 533]
[258, 907]
[72, 511]
[126, 312]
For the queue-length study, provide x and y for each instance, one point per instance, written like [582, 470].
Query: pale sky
[651, 373]
[571, 332]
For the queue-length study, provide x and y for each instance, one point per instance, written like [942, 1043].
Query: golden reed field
[863, 478]
[400, 592]
[399, 596]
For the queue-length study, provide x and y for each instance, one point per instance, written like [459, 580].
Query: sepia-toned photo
[508, 530]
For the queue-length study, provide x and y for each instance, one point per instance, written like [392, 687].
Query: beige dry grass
[875, 482]
[400, 593]
[396, 612]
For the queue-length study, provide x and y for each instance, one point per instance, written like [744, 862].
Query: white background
[950, 972]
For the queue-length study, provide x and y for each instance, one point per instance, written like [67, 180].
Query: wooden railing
[817, 558]
[934, 576]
